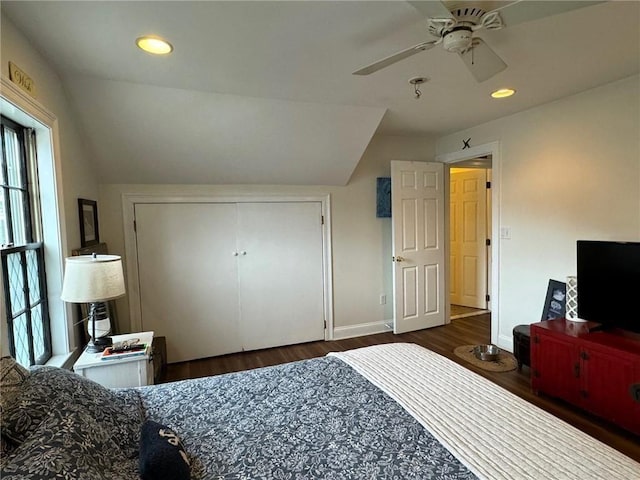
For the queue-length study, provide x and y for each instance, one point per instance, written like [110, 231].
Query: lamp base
[99, 344]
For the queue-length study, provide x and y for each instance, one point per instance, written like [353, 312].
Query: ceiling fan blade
[396, 57]
[482, 62]
[432, 9]
[524, 11]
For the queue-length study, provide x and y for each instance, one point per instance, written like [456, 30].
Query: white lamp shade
[89, 278]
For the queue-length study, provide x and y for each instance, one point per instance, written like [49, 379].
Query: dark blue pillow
[162, 455]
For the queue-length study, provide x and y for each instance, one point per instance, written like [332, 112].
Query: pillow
[6, 447]
[69, 445]
[162, 456]
[12, 376]
[49, 388]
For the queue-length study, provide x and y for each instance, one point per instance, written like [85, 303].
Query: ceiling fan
[454, 23]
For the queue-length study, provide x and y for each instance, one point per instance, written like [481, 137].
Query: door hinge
[488, 242]
[536, 339]
[135, 226]
[321, 219]
[488, 184]
[584, 355]
[536, 373]
[487, 297]
[584, 393]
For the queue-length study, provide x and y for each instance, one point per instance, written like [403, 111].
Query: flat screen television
[609, 283]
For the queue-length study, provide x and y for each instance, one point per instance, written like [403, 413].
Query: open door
[468, 237]
[417, 204]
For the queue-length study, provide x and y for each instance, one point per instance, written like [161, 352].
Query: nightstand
[134, 371]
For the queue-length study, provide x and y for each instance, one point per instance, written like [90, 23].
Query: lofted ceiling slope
[263, 92]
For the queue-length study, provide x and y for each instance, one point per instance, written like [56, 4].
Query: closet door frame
[130, 200]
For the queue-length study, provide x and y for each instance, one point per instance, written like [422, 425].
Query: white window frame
[23, 109]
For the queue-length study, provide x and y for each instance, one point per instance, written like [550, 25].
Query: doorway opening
[492, 149]
[470, 237]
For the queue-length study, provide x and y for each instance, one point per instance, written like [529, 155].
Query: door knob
[399, 259]
[243, 253]
[235, 254]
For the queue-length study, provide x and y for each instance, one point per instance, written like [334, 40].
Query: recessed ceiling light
[503, 93]
[154, 44]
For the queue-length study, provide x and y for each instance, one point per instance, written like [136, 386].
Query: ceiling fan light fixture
[154, 45]
[503, 93]
[459, 40]
[416, 82]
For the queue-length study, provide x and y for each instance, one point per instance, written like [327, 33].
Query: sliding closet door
[280, 273]
[188, 277]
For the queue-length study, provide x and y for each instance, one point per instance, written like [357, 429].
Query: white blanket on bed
[496, 434]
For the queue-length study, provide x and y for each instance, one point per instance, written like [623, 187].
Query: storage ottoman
[521, 345]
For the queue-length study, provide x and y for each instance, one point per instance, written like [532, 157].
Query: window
[22, 252]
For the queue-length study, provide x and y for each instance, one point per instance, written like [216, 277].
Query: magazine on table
[126, 349]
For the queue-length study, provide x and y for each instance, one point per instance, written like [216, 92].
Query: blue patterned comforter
[314, 419]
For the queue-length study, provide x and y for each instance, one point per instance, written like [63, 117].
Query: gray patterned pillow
[49, 388]
[69, 445]
[12, 376]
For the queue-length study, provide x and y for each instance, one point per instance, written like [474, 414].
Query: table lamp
[94, 279]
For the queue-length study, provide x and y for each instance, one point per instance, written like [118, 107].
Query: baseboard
[505, 342]
[370, 328]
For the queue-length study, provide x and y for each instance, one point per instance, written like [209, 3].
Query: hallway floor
[458, 311]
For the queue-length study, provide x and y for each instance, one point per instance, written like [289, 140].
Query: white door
[468, 235]
[280, 273]
[218, 278]
[187, 271]
[417, 203]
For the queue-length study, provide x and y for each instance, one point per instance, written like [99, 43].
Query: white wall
[570, 170]
[79, 176]
[361, 242]
[77, 173]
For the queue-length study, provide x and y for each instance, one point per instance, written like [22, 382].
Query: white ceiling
[262, 92]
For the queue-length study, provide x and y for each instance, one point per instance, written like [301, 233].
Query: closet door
[188, 277]
[280, 273]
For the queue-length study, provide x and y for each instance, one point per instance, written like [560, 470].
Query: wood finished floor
[443, 340]
[458, 311]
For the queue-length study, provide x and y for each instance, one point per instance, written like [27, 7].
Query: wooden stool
[521, 345]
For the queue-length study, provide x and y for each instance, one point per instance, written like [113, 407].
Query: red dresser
[598, 371]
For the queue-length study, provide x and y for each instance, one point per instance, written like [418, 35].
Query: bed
[393, 411]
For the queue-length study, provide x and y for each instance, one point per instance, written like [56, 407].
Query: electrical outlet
[383, 299]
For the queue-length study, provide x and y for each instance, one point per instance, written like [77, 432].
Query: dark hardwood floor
[443, 340]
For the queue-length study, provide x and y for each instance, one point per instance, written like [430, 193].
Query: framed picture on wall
[383, 197]
[555, 303]
[88, 211]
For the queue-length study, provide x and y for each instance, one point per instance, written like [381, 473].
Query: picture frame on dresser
[555, 301]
